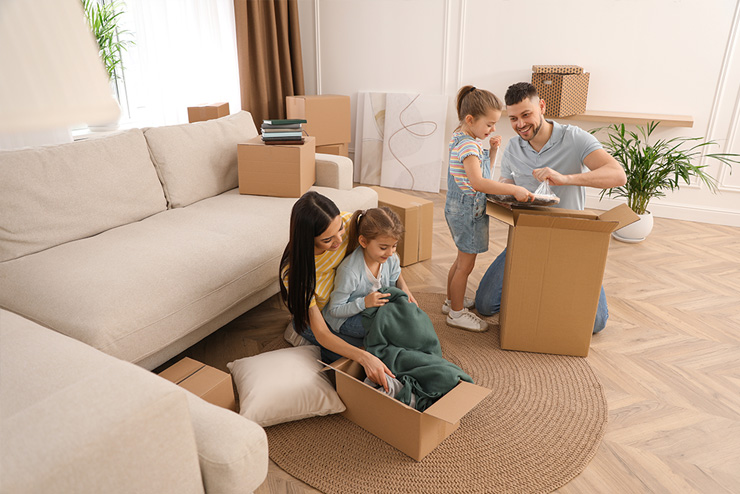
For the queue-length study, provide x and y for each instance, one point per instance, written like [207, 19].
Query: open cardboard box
[408, 430]
[555, 260]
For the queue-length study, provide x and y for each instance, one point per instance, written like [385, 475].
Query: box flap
[181, 370]
[622, 215]
[458, 402]
[565, 223]
[499, 212]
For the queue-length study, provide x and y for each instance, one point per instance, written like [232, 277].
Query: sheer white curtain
[185, 55]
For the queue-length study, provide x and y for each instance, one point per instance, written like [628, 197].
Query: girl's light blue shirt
[351, 285]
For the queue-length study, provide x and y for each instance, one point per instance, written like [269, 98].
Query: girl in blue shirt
[368, 268]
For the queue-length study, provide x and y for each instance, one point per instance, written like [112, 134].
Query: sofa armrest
[334, 171]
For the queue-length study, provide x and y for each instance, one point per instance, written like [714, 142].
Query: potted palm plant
[654, 168]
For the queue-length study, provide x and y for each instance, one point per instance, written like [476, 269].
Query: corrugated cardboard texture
[564, 94]
[557, 69]
[209, 383]
[417, 216]
[276, 170]
[207, 112]
[336, 149]
[555, 263]
[327, 116]
[408, 430]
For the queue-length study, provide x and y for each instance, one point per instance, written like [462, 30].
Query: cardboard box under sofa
[412, 432]
[563, 87]
[278, 170]
[555, 260]
[327, 116]
[207, 112]
[417, 216]
[209, 383]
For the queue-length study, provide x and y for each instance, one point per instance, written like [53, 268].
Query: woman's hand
[375, 369]
[412, 299]
[523, 195]
[376, 299]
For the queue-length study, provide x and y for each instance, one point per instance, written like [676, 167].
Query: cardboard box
[277, 170]
[563, 87]
[408, 430]
[555, 261]
[327, 116]
[337, 149]
[207, 112]
[417, 215]
[209, 383]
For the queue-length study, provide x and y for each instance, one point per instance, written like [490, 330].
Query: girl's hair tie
[359, 216]
[471, 90]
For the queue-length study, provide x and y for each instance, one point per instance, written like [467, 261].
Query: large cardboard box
[408, 430]
[327, 116]
[336, 149]
[209, 383]
[207, 112]
[279, 170]
[417, 215]
[555, 260]
[563, 87]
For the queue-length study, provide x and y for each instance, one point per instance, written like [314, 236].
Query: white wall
[677, 57]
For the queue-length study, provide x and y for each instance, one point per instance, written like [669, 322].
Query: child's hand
[413, 300]
[523, 195]
[495, 142]
[376, 299]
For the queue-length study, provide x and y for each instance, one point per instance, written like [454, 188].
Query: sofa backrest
[198, 160]
[56, 194]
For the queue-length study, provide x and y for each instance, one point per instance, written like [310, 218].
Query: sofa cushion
[198, 160]
[56, 194]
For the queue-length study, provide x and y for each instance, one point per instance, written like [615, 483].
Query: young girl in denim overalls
[468, 182]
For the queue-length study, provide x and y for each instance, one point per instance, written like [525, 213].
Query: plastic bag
[544, 191]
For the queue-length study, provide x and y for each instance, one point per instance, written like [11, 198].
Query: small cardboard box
[207, 112]
[563, 87]
[555, 260]
[337, 149]
[417, 216]
[408, 430]
[327, 116]
[209, 383]
[278, 170]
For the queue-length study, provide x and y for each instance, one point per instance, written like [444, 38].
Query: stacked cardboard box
[211, 384]
[563, 87]
[327, 119]
[555, 260]
[279, 170]
[207, 112]
[417, 216]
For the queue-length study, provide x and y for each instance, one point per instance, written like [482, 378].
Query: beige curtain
[268, 42]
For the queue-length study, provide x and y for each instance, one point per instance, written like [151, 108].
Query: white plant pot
[637, 231]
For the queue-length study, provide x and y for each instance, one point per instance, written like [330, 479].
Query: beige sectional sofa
[127, 249]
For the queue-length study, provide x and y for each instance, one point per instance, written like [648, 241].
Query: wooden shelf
[631, 118]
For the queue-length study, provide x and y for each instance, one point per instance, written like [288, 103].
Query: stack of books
[288, 131]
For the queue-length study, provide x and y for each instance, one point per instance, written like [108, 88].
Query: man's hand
[376, 299]
[554, 177]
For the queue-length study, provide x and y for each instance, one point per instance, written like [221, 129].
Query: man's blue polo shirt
[564, 152]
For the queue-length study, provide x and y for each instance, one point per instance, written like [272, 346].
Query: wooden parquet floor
[669, 358]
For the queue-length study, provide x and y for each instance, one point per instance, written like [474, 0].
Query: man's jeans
[488, 296]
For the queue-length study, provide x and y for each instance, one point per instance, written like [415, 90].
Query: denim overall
[465, 212]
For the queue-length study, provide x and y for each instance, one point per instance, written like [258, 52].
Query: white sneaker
[294, 338]
[468, 321]
[468, 303]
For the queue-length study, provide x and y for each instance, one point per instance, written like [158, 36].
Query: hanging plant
[103, 19]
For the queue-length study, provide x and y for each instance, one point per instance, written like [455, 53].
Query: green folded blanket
[402, 336]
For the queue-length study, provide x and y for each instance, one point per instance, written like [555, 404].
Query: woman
[318, 243]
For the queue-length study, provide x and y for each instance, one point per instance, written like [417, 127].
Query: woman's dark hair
[371, 224]
[311, 216]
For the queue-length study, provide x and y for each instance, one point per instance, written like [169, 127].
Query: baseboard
[677, 211]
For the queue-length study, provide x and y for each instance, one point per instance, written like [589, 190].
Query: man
[569, 157]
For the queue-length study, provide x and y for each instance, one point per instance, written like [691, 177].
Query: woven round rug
[537, 430]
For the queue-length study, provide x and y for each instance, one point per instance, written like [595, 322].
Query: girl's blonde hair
[371, 224]
[476, 102]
